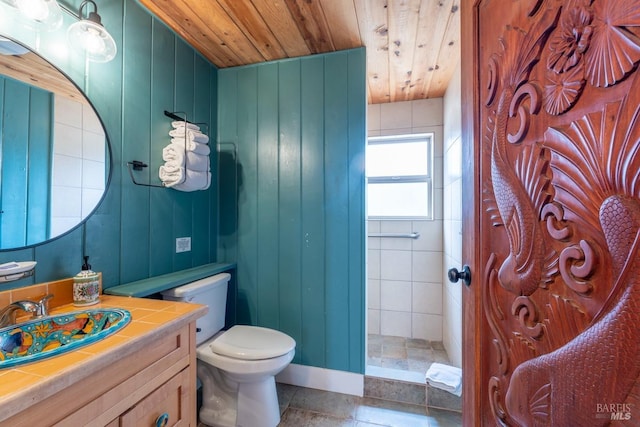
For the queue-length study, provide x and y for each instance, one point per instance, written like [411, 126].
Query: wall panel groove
[301, 218]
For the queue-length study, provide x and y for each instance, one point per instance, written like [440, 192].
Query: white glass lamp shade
[39, 14]
[93, 40]
[12, 3]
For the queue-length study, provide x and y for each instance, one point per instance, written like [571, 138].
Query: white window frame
[401, 179]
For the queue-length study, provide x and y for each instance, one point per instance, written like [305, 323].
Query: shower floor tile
[400, 358]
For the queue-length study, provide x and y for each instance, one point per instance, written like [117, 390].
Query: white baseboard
[322, 379]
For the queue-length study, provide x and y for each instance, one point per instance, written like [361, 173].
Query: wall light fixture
[90, 36]
[87, 36]
[44, 15]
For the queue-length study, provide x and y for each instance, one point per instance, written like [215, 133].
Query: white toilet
[237, 366]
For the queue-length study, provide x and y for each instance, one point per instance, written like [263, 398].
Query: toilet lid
[252, 343]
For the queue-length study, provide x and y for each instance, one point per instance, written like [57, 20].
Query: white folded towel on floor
[189, 134]
[181, 124]
[193, 181]
[169, 175]
[445, 377]
[192, 146]
[194, 161]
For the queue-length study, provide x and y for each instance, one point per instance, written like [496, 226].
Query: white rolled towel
[173, 152]
[191, 135]
[172, 166]
[192, 146]
[445, 377]
[193, 181]
[193, 161]
[197, 162]
[170, 176]
[181, 124]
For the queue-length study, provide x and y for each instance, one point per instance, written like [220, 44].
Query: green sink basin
[49, 336]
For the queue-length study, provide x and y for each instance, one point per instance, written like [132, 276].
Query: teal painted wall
[26, 126]
[298, 234]
[132, 234]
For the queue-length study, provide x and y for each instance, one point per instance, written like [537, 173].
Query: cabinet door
[170, 400]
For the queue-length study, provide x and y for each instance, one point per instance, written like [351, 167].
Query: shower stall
[412, 311]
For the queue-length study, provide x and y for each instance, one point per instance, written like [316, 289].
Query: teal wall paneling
[229, 183]
[25, 139]
[214, 202]
[314, 329]
[15, 132]
[289, 203]
[132, 234]
[268, 309]
[101, 237]
[41, 113]
[184, 93]
[162, 243]
[357, 209]
[336, 165]
[299, 126]
[136, 117]
[203, 217]
[247, 210]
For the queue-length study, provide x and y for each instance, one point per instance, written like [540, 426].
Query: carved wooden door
[552, 316]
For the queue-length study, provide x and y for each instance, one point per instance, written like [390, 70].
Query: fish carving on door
[560, 223]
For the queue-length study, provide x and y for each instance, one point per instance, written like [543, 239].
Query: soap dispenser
[86, 286]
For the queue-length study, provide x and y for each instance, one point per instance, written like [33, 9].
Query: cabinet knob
[162, 420]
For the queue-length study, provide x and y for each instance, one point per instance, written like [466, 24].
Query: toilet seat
[252, 343]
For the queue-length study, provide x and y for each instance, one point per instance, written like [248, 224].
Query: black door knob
[464, 275]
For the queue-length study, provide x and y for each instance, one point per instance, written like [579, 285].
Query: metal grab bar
[414, 235]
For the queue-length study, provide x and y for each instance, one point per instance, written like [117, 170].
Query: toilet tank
[210, 291]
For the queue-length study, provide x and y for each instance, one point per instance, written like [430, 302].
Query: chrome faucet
[37, 309]
[42, 306]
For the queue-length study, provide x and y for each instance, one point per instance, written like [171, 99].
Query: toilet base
[256, 405]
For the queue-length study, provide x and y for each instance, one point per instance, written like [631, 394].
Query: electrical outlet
[183, 244]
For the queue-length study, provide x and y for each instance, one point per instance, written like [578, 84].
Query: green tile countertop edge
[152, 285]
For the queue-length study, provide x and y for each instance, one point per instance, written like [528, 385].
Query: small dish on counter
[11, 271]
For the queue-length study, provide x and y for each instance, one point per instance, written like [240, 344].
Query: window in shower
[400, 177]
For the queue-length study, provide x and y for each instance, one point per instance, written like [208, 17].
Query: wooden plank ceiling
[412, 45]
[35, 71]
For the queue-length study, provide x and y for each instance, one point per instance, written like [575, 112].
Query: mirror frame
[108, 154]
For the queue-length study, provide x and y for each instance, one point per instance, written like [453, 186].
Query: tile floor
[402, 358]
[305, 407]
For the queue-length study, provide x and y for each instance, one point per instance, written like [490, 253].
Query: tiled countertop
[22, 386]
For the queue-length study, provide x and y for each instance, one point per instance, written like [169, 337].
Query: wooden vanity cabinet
[170, 400]
[158, 377]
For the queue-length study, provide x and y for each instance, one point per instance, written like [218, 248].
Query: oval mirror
[54, 151]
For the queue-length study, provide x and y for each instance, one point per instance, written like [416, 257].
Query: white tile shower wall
[405, 289]
[78, 152]
[404, 280]
[452, 297]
